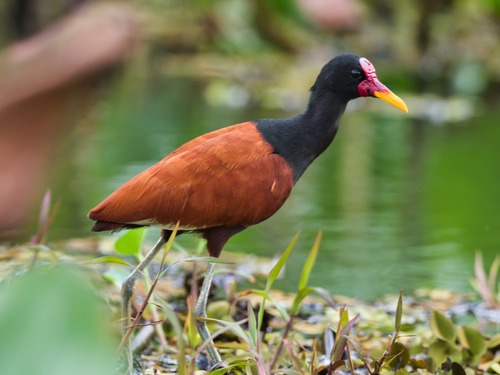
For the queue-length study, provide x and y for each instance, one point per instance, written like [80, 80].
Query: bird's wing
[229, 177]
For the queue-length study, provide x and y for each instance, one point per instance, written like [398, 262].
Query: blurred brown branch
[45, 82]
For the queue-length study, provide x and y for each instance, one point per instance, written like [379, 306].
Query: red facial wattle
[371, 86]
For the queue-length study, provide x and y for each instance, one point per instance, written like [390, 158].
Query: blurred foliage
[56, 316]
[440, 41]
[53, 323]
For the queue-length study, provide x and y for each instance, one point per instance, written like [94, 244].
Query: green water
[402, 203]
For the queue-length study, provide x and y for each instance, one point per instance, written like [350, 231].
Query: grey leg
[128, 287]
[201, 311]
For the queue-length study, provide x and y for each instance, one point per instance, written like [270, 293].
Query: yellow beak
[391, 98]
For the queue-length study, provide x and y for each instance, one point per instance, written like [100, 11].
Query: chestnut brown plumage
[222, 182]
[198, 186]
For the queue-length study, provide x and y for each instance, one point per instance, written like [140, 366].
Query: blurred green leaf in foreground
[53, 323]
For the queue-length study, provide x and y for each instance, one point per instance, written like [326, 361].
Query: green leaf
[108, 259]
[205, 259]
[400, 356]
[277, 305]
[492, 277]
[472, 339]
[442, 327]
[299, 297]
[190, 324]
[439, 350]
[177, 327]
[399, 312]
[252, 324]
[431, 365]
[325, 294]
[308, 265]
[279, 265]
[239, 363]
[234, 328]
[130, 242]
[342, 339]
[494, 341]
[54, 317]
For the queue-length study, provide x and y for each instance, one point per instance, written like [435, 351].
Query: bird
[224, 181]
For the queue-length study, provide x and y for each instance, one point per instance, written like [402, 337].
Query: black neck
[302, 138]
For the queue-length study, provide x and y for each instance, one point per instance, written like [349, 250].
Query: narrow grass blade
[492, 277]
[206, 260]
[275, 271]
[481, 277]
[168, 245]
[267, 297]
[234, 328]
[311, 259]
[342, 339]
[176, 325]
[239, 363]
[279, 265]
[299, 297]
[399, 313]
[252, 324]
[190, 323]
[108, 259]
[344, 318]
[325, 294]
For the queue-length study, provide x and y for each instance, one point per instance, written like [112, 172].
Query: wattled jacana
[224, 181]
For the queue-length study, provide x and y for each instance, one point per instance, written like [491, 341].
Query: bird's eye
[355, 73]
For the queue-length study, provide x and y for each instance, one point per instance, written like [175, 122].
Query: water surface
[402, 203]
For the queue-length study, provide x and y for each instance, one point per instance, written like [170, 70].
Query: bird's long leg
[201, 312]
[216, 239]
[128, 287]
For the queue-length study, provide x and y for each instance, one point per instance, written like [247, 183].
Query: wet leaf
[472, 339]
[442, 327]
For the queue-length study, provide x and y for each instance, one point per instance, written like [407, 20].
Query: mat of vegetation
[60, 308]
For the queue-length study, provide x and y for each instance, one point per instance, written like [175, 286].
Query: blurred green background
[404, 200]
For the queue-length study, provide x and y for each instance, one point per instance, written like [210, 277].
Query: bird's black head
[349, 76]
